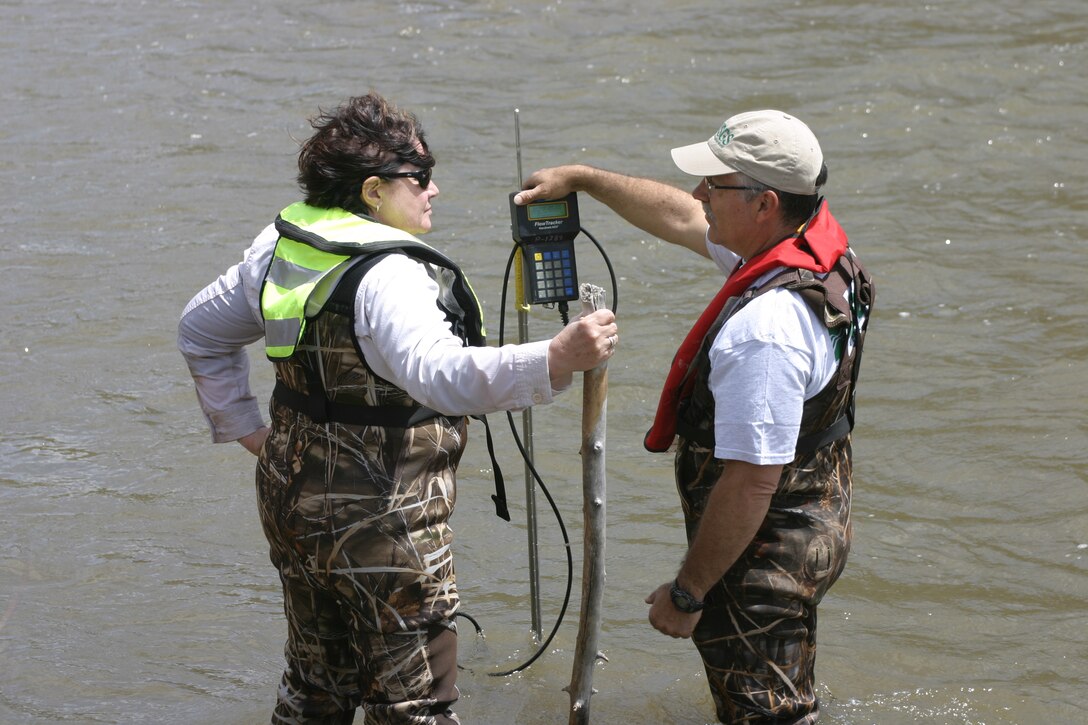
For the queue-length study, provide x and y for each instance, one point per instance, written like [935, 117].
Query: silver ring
[611, 343]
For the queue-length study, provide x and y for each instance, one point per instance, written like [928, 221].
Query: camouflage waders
[357, 521]
[757, 635]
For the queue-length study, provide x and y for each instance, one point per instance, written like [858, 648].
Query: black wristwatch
[683, 600]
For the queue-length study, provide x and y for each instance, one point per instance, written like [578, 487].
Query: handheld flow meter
[546, 230]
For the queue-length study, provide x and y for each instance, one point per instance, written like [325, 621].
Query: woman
[377, 344]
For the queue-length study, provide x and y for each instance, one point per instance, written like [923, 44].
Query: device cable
[532, 469]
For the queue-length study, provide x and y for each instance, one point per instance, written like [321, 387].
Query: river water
[145, 143]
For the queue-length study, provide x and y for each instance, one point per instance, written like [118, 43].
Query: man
[377, 340]
[761, 395]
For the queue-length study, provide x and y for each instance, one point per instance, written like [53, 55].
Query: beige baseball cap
[771, 147]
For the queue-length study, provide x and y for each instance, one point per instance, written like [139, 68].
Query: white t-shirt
[767, 360]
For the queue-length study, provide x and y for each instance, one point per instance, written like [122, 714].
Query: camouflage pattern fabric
[357, 522]
[757, 635]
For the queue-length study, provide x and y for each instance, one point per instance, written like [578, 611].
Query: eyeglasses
[711, 185]
[422, 177]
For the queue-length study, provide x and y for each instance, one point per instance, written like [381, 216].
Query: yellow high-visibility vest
[315, 250]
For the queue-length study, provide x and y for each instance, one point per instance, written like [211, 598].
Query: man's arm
[734, 512]
[664, 211]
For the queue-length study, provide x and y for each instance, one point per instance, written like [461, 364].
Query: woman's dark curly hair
[366, 136]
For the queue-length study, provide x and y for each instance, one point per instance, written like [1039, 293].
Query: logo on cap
[724, 135]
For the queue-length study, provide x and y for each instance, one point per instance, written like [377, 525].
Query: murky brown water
[145, 143]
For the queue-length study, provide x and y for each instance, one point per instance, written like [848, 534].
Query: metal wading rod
[527, 424]
[594, 417]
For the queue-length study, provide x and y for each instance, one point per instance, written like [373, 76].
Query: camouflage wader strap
[833, 302]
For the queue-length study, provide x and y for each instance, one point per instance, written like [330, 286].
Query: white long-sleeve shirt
[402, 333]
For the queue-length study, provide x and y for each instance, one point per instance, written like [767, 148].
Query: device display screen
[552, 210]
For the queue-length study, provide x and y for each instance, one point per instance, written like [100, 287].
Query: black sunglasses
[422, 177]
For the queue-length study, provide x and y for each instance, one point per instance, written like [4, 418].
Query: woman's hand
[255, 440]
[582, 345]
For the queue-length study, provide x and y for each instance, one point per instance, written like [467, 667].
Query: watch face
[684, 601]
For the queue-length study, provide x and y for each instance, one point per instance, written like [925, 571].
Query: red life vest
[816, 246]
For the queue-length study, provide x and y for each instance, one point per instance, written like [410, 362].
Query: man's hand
[551, 183]
[666, 618]
[664, 211]
[582, 345]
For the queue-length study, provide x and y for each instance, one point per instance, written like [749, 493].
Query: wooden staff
[594, 414]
